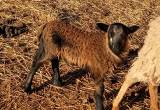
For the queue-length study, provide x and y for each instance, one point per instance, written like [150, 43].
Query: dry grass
[77, 93]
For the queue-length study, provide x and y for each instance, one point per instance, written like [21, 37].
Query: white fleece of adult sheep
[147, 65]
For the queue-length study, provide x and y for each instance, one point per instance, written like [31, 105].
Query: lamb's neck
[116, 58]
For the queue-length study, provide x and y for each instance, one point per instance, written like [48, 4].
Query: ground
[77, 93]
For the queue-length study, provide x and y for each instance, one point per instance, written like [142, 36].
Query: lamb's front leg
[56, 76]
[99, 90]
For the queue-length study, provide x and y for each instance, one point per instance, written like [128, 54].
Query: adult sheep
[146, 68]
[98, 52]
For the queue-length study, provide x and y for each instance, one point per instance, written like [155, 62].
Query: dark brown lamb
[98, 52]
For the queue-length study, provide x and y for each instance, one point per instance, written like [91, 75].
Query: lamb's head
[117, 35]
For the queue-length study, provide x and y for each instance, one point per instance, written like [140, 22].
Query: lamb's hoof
[100, 108]
[57, 83]
[28, 88]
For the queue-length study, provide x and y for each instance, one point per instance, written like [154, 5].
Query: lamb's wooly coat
[146, 67]
[85, 49]
[89, 50]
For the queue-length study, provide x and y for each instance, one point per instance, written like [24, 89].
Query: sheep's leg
[56, 76]
[127, 83]
[153, 96]
[99, 95]
[37, 61]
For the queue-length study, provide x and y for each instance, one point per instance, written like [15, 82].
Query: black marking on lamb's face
[117, 35]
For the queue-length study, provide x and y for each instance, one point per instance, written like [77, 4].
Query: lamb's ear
[102, 26]
[133, 28]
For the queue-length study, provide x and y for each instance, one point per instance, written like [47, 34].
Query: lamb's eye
[111, 39]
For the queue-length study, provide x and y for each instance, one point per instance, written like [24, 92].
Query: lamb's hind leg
[56, 76]
[37, 61]
[153, 96]
[127, 83]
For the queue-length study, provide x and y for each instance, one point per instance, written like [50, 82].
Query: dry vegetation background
[78, 90]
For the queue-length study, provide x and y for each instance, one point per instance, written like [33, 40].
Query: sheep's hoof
[115, 108]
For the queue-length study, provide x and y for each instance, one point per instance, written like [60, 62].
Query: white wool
[147, 65]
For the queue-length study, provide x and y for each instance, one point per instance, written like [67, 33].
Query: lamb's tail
[40, 32]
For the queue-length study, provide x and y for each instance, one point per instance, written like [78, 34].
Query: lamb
[97, 52]
[146, 68]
